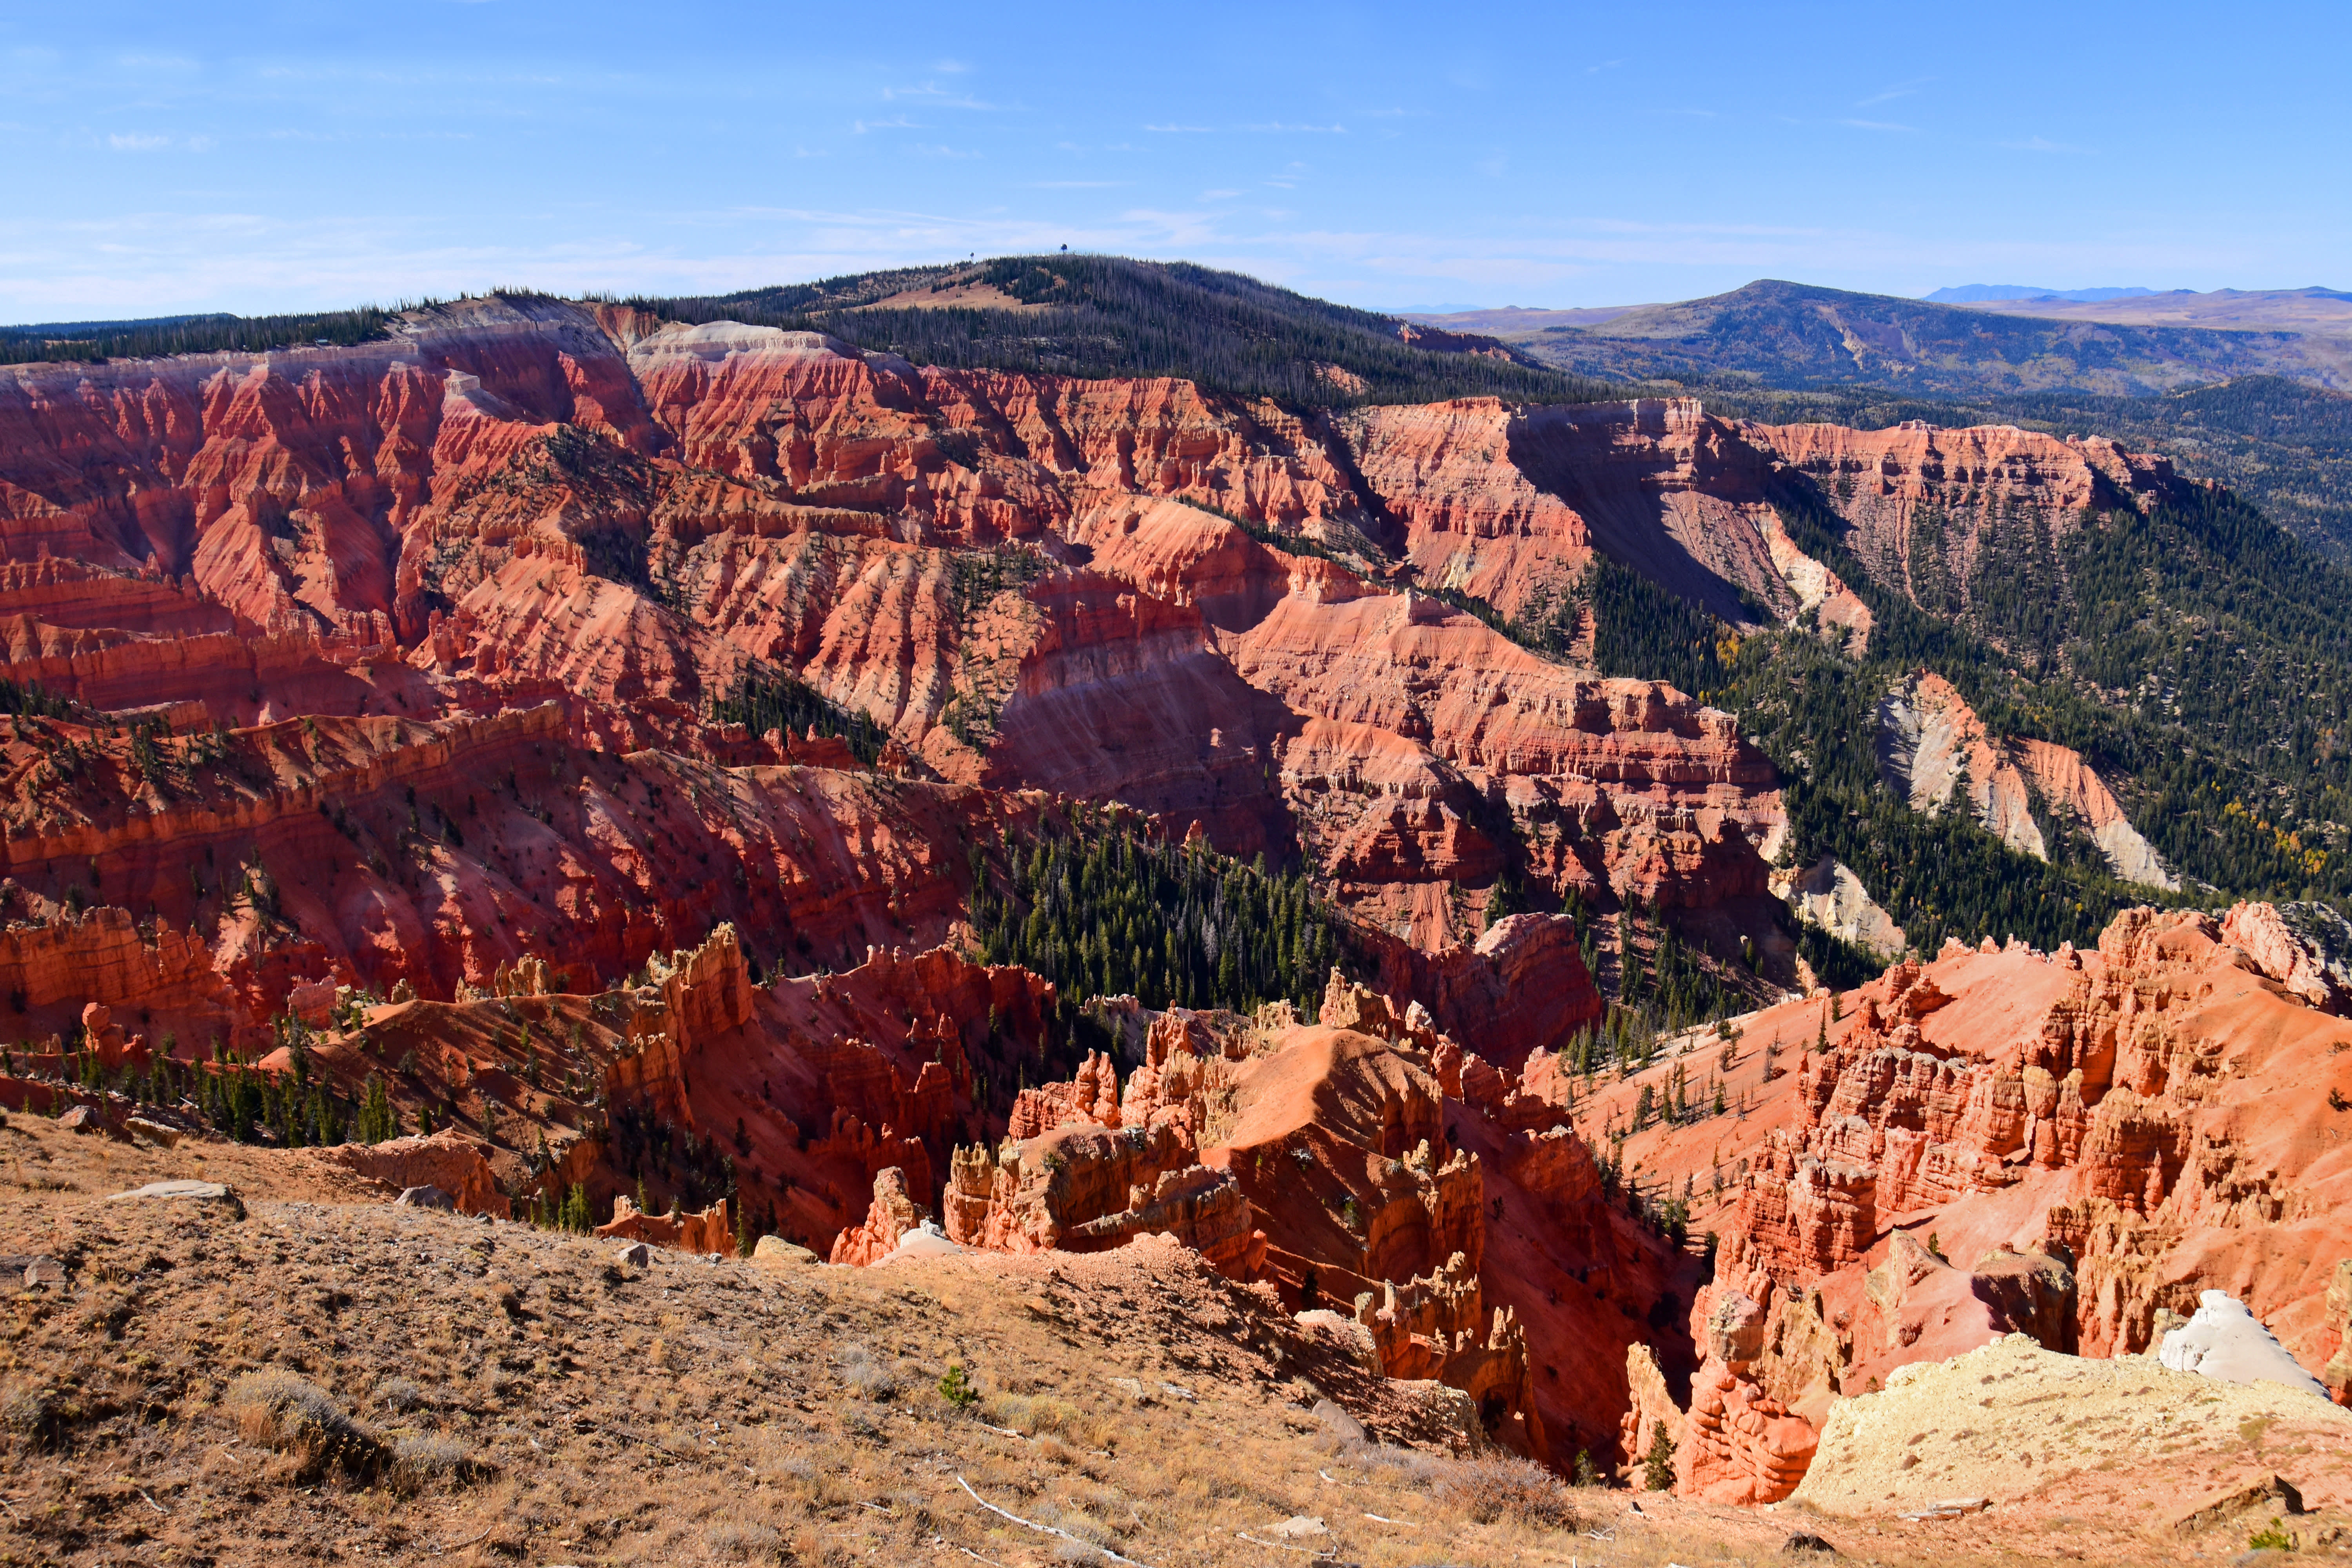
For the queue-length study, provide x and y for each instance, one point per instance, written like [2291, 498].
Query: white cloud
[1900, 90]
[132, 143]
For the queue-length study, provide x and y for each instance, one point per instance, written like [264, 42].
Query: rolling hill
[1792, 334]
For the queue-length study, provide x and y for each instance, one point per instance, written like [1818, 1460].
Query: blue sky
[253, 157]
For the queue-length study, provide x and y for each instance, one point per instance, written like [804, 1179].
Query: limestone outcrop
[1931, 742]
[1907, 1447]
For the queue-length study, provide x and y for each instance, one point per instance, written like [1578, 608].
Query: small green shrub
[2272, 1537]
[956, 1388]
[1658, 1464]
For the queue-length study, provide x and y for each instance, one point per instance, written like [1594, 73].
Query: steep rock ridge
[1837, 609]
[973, 456]
[2308, 948]
[280, 482]
[1932, 743]
[1827, 894]
[1406, 733]
[382, 850]
[1930, 509]
[1505, 502]
[2069, 1146]
[789, 1099]
[1617, 788]
[2062, 778]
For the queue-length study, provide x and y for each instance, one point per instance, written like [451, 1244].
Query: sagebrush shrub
[865, 1374]
[1506, 1488]
[274, 1406]
[432, 1457]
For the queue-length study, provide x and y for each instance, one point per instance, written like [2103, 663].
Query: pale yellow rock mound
[2014, 1423]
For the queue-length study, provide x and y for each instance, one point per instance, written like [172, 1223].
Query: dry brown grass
[184, 1398]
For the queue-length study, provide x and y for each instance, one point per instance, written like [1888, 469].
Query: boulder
[426, 1197]
[2268, 1491]
[775, 1252]
[636, 1255]
[154, 1131]
[2225, 1340]
[925, 1240]
[217, 1194]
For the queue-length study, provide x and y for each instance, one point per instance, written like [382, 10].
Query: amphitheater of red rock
[396, 666]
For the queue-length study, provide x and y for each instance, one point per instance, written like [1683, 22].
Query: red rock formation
[1739, 1443]
[449, 1161]
[893, 1214]
[1088, 1188]
[1984, 482]
[1507, 501]
[707, 1232]
[1519, 990]
[1091, 1095]
[2147, 1111]
[2308, 948]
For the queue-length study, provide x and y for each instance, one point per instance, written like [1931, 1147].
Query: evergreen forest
[1109, 316]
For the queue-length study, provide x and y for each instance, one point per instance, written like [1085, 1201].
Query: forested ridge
[2191, 655]
[2283, 447]
[1100, 908]
[86, 342]
[1105, 316]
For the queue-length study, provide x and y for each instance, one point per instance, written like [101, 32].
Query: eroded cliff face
[2067, 1145]
[1442, 1205]
[1932, 746]
[1022, 578]
[396, 668]
[1928, 507]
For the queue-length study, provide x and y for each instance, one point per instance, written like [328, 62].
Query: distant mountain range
[2248, 387]
[1978, 293]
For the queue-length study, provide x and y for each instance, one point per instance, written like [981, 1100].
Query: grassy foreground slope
[330, 1377]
